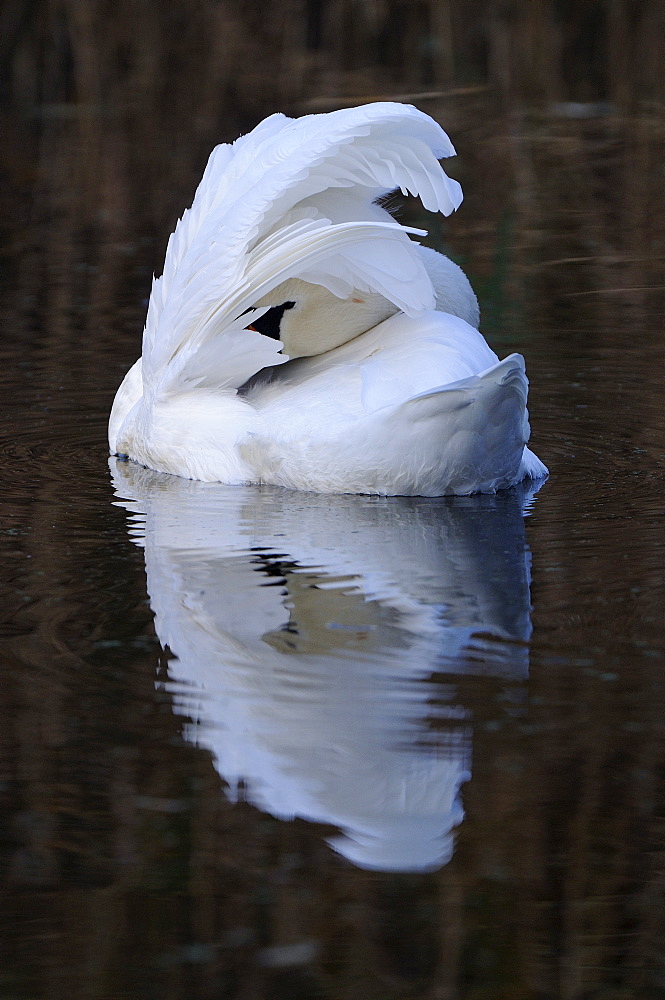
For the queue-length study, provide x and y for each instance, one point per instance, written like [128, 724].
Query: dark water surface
[257, 743]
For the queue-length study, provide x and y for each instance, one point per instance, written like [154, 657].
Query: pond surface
[258, 743]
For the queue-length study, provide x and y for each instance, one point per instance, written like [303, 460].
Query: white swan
[286, 255]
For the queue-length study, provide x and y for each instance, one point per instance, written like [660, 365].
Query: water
[264, 744]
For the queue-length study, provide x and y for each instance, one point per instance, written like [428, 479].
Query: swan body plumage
[299, 337]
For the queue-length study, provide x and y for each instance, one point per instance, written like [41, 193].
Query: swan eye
[269, 323]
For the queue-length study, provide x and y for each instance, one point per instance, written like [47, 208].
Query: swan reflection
[316, 641]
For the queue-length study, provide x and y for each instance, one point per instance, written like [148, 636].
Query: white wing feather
[292, 198]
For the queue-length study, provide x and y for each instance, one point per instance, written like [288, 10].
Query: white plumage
[379, 381]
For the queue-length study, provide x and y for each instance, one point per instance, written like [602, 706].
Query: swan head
[310, 320]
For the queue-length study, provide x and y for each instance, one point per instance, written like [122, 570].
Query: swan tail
[532, 467]
[317, 171]
[484, 423]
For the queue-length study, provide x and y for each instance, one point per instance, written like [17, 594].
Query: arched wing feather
[293, 198]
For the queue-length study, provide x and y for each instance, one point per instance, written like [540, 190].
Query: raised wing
[294, 198]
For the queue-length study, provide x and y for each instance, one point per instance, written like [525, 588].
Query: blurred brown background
[109, 111]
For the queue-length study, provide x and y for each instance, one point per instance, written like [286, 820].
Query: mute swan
[298, 337]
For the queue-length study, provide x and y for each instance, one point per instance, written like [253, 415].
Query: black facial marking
[268, 324]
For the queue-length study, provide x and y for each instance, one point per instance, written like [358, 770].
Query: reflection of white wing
[306, 629]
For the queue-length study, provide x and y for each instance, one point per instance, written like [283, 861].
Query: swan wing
[464, 437]
[281, 202]
[484, 422]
